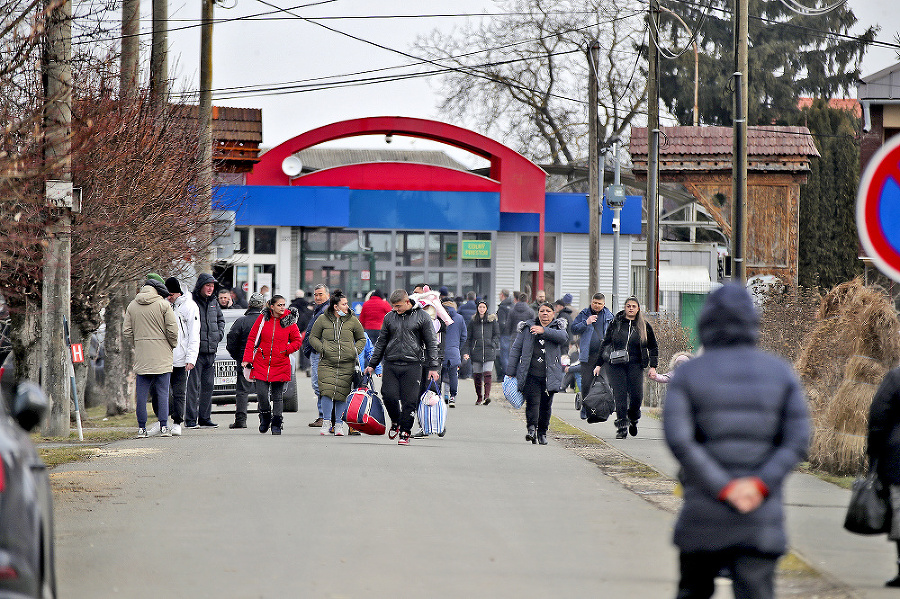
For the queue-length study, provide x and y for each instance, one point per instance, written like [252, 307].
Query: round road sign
[878, 209]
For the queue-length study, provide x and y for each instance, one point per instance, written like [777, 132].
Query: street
[480, 512]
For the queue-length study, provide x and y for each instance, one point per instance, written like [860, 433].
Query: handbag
[869, 512]
[511, 391]
[248, 370]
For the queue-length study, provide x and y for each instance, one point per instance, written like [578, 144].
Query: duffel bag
[599, 403]
[365, 412]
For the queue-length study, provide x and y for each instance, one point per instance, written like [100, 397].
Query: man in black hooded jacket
[198, 411]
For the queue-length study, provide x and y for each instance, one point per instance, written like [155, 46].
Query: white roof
[690, 278]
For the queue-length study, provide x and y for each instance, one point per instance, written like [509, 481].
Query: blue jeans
[503, 356]
[314, 371]
[160, 384]
[450, 377]
[339, 407]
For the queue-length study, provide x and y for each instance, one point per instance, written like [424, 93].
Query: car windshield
[230, 317]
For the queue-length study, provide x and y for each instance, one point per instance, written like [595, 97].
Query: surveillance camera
[388, 138]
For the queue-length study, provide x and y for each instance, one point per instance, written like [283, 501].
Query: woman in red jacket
[371, 315]
[267, 354]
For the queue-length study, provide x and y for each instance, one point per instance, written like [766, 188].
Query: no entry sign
[878, 209]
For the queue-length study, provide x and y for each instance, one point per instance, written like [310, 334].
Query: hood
[450, 310]
[556, 323]
[147, 295]
[202, 280]
[728, 318]
[160, 288]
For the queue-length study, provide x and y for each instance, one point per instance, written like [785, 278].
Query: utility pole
[653, 163]
[739, 164]
[616, 204]
[205, 117]
[56, 286]
[159, 56]
[594, 172]
[128, 69]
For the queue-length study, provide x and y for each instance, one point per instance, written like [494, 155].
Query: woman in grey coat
[535, 354]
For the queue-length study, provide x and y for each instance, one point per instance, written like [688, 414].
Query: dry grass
[672, 339]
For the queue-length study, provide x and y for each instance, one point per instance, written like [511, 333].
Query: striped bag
[512, 393]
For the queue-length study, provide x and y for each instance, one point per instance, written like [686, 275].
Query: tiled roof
[230, 124]
[717, 141]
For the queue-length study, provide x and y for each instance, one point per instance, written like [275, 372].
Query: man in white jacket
[185, 354]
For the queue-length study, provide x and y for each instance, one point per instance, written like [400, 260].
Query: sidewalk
[815, 510]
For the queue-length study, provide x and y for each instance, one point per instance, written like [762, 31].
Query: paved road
[479, 513]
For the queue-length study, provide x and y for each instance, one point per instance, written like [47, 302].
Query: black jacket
[617, 336]
[520, 312]
[403, 337]
[212, 322]
[236, 341]
[483, 342]
[317, 310]
[503, 315]
[883, 443]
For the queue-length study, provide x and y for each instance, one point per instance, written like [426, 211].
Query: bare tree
[523, 76]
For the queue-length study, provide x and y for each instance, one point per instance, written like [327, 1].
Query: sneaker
[452, 402]
[208, 424]
[176, 430]
[395, 430]
[153, 430]
[326, 427]
[404, 439]
[164, 431]
[142, 433]
[353, 432]
[193, 426]
[420, 435]
[338, 429]
[487, 400]
[316, 423]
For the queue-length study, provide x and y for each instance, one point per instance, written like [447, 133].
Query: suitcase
[365, 412]
[432, 419]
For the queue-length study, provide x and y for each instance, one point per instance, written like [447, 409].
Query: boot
[487, 388]
[265, 419]
[276, 425]
[476, 376]
[621, 428]
[632, 428]
[240, 421]
[531, 435]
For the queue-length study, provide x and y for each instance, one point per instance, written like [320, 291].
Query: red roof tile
[717, 141]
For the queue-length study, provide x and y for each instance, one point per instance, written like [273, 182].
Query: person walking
[269, 362]
[503, 308]
[883, 450]
[236, 343]
[320, 297]
[454, 339]
[406, 342]
[339, 338]
[591, 324]
[372, 314]
[736, 420]
[630, 333]
[151, 328]
[520, 312]
[467, 309]
[198, 411]
[540, 297]
[535, 355]
[185, 355]
[482, 347]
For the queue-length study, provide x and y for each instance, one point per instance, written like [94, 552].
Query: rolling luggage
[365, 412]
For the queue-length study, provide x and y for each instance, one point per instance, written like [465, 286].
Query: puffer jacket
[279, 338]
[339, 341]
[732, 412]
[454, 338]
[236, 341]
[484, 338]
[618, 337]
[152, 328]
[520, 312]
[402, 338]
[556, 338]
[883, 442]
[188, 332]
[212, 322]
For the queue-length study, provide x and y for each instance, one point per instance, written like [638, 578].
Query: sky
[268, 52]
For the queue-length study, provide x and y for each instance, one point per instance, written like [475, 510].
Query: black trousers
[752, 573]
[242, 389]
[177, 392]
[627, 382]
[400, 385]
[587, 373]
[538, 403]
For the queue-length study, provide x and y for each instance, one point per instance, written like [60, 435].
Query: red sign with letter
[77, 353]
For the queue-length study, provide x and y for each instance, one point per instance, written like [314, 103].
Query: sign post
[878, 209]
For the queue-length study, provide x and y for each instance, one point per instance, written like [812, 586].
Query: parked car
[27, 566]
[226, 371]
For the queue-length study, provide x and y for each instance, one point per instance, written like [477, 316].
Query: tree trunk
[25, 317]
[116, 367]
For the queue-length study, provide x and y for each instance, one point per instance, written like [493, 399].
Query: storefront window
[477, 263]
[242, 240]
[529, 245]
[529, 283]
[410, 249]
[381, 244]
[264, 275]
[443, 249]
[264, 240]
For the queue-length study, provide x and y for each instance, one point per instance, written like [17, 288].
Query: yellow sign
[476, 250]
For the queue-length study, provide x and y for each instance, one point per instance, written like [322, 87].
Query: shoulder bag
[869, 512]
[620, 356]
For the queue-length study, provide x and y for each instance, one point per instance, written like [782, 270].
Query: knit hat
[567, 298]
[156, 277]
[256, 301]
[173, 285]
[443, 291]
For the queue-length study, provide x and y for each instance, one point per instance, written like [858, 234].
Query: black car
[226, 371]
[27, 567]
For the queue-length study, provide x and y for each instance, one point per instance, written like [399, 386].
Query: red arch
[521, 181]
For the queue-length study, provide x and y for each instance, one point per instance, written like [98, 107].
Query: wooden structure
[237, 133]
[699, 158]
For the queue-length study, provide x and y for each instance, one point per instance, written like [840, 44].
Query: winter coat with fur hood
[152, 327]
[484, 338]
[556, 339]
[279, 338]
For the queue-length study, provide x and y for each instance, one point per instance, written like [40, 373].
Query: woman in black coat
[482, 346]
[883, 449]
[535, 356]
[631, 332]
